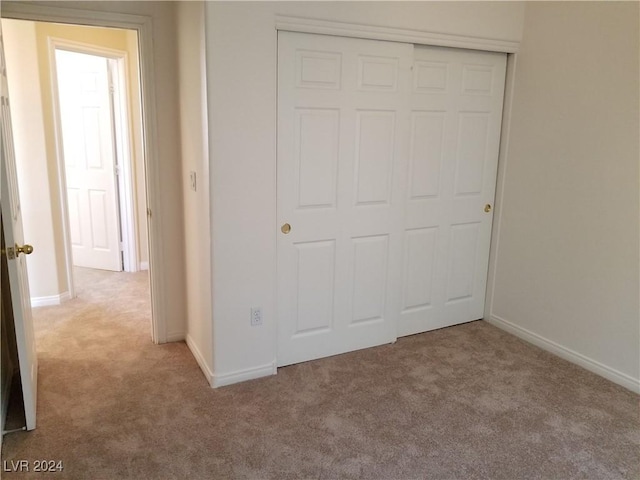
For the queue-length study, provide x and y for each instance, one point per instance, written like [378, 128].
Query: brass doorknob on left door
[487, 208]
[26, 249]
[286, 228]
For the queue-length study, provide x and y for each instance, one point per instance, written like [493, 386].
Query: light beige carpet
[459, 403]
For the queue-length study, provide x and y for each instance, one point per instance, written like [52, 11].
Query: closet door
[343, 124]
[456, 111]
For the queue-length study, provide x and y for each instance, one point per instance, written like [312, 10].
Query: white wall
[31, 158]
[241, 79]
[195, 158]
[168, 162]
[566, 264]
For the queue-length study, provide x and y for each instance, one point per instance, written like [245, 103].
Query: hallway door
[86, 114]
[16, 264]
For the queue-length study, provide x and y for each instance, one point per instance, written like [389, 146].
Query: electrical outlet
[192, 180]
[256, 316]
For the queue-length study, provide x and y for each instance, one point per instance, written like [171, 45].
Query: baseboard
[143, 266]
[238, 376]
[175, 337]
[50, 300]
[598, 368]
[208, 374]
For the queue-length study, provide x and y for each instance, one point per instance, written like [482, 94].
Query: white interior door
[343, 126]
[387, 159]
[89, 157]
[456, 112]
[13, 235]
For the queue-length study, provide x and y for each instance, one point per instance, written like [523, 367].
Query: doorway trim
[143, 25]
[403, 35]
[123, 150]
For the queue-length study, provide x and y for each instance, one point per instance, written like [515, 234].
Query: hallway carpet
[464, 402]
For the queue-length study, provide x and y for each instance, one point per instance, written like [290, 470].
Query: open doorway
[78, 131]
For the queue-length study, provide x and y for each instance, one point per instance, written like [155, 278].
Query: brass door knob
[487, 208]
[26, 249]
[286, 228]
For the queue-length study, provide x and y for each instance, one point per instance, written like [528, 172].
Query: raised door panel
[91, 139]
[369, 278]
[98, 214]
[377, 73]
[473, 131]
[315, 286]
[427, 137]
[317, 150]
[318, 69]
[375, 154]
[462, 261]
[420, 250]
[75, 226]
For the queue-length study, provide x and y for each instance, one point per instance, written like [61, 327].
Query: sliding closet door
[343, 123]
[387, 158]
[456, 112]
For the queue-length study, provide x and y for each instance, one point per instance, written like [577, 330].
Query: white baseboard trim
[175, 337]
[143, 266]
[50, 300]
[221, 380]
[598, 368]
[208, 374]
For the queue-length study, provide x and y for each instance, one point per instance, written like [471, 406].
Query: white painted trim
[61, 177]
[144, 27]
[208, 374]
[50, 300]
[572, 356]
[308, 25]
[503, 156]
[125, 155]
[221, 380]
[175, 337]
[144, 266]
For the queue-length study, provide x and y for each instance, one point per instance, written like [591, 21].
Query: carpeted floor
[459, 403]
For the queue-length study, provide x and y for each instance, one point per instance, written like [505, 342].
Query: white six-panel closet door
[385, 165]
[342, 120]
[456, 113]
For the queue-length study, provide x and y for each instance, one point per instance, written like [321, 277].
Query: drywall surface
[162, 15]
[33, 170]
[241, 79]
[565, 268]
[195, 161]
